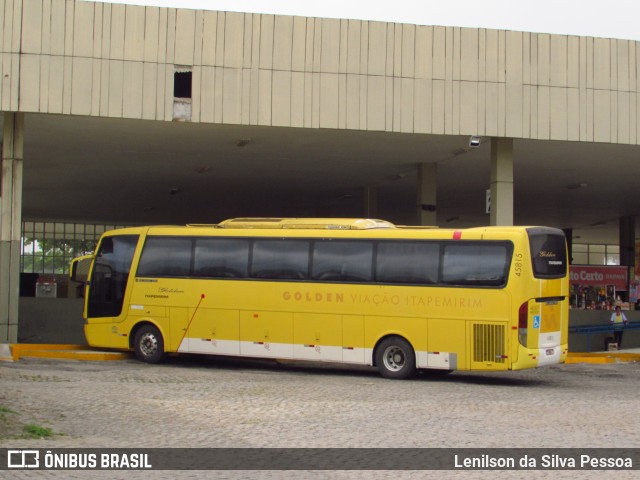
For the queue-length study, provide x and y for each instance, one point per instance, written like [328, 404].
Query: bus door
[109, 276]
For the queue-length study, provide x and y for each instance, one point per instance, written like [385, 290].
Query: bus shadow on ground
[506, 379]
[300, 367]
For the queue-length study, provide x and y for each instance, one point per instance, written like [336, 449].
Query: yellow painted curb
[74, 355]
[46, 346]
[68, 352]
[602, 357]
[590, 360]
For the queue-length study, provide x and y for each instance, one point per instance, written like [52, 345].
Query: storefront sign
[599, 276]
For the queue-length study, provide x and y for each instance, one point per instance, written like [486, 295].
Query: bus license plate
[550, 351]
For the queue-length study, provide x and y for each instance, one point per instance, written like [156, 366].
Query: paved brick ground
[204, 402]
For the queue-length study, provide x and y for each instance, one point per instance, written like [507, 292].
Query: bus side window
[479, 264]
[280, 260]
[408, 262]
[165, 257]
[339, 261]
[221, 258]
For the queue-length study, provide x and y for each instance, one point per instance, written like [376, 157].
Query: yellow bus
[356, 291]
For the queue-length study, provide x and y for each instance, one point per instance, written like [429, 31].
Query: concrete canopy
[135, 172]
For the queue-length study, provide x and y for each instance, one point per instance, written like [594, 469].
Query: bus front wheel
[149, 345]
[395, 358]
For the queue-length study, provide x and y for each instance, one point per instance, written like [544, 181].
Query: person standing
[618, 320]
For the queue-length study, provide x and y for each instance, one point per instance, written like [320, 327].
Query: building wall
[84, 58]
[51, 320]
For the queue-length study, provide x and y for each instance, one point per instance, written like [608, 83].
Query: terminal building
[117, 115]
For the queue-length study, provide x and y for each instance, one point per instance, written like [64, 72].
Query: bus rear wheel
[149, 344]
[395, 358]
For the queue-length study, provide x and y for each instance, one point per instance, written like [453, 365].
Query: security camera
[474, 141]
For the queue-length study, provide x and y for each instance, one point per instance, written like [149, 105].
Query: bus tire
[149, 344]
[395, 358]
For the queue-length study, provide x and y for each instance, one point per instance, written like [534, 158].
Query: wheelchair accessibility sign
[536, 321]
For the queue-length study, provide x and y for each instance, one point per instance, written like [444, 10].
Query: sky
[598, 18]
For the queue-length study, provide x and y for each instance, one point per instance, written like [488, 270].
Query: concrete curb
[67, 352]
[5, 352]
[602, 357]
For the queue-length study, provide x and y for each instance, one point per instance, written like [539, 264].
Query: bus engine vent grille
[488, 343]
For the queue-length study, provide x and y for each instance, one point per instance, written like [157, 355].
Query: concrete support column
[427, 183]
[501, 181]
[10, 225]
[568, 233]
[628, 244]
[370, 202]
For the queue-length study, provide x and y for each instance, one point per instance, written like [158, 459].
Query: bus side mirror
[79, 269]
[79, 272]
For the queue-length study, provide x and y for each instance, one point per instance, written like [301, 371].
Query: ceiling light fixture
[399, 176]
[346, 196]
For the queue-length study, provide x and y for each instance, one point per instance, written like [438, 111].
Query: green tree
[52, 255]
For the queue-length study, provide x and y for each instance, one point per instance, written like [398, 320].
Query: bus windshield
[110, 274]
